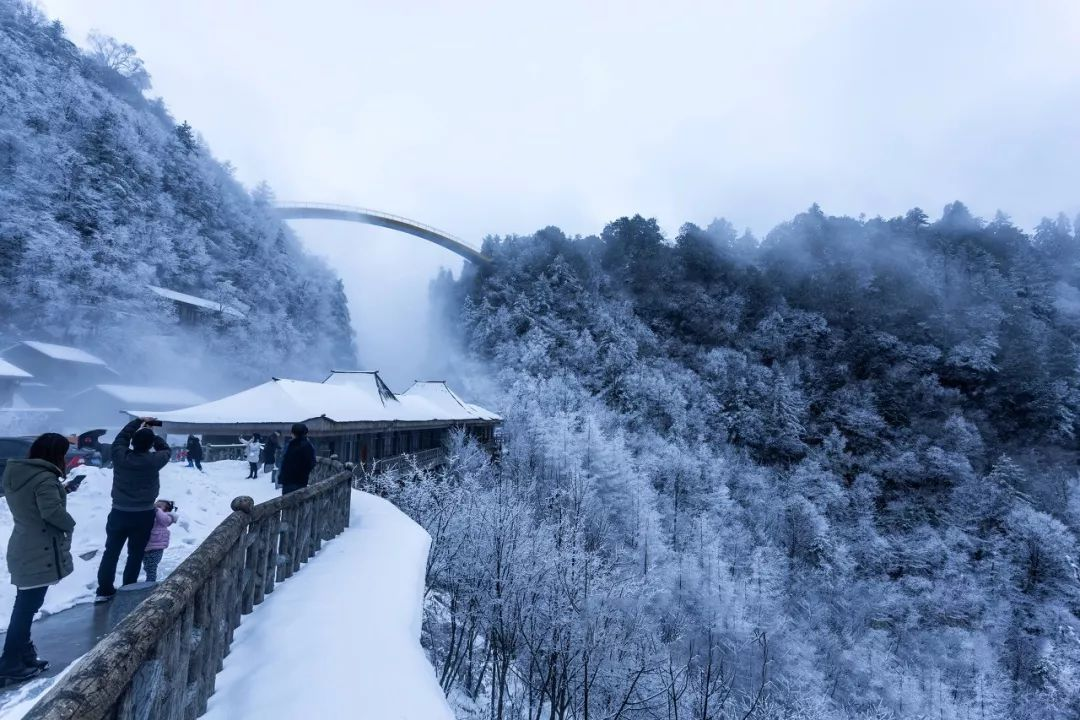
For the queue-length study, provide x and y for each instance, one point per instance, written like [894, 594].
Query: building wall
[368, 447]
[7, 391]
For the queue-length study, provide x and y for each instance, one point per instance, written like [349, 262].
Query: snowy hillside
[203, 501]
[95, 171]
[828, 475]
[342, 639]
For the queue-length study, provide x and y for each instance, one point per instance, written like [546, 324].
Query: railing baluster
[288, 543]
[273, 541]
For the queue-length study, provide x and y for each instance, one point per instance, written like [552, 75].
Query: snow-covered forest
[830, 474]
[103, 193]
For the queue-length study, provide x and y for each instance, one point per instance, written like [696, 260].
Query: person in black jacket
[194, 453]
[136, 483]
[297, 462]
[270, 451]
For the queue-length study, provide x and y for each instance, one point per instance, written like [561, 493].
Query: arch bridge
[348, 213]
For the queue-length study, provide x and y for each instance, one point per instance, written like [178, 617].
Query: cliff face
[102, 193]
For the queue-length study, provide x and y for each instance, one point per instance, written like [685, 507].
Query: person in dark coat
[138, 456]
[270, 451]
[194, 452]
[39, 551]
[297, 461]
[277, 465]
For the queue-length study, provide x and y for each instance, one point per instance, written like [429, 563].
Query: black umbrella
[89, 439]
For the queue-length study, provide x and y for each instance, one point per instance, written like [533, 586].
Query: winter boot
[30, 657]
[14, 670]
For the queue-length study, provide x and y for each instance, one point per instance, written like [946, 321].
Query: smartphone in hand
[73, 484]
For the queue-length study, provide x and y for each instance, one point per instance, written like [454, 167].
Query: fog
[386, 276]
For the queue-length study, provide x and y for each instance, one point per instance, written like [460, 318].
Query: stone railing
[213, 453]
[422, 459]
[162, 660]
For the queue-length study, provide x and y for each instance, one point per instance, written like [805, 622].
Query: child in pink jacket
[164, 515]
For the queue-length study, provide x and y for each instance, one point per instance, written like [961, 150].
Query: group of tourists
[292, 462]
[39, 551]
[268, 453]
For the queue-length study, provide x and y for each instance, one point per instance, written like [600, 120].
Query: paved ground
[66, 636]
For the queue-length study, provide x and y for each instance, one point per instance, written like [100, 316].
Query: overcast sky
[494, 118]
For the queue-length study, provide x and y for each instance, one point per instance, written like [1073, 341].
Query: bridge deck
[367, 216]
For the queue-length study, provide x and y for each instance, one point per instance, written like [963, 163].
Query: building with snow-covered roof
[60, 367]
[17, 416]
[192, 309]
[352, 414]
[62, 353]
[439, 394]
[103, 405]
[10, 371]
[10, 377]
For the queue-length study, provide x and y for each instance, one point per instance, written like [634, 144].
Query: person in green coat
[39, 552]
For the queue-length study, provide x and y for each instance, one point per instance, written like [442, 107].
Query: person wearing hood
[39, 551]
[297, 461]
[270, 451]
[137, 456]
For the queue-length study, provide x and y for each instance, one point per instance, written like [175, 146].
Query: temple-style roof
[366, 380]
[438, 393]
[64, 353]
[146, 395]
[344, 397]
[194, 300]
[7, 370]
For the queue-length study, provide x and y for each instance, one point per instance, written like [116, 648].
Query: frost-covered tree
[830, 475]
[103, 194]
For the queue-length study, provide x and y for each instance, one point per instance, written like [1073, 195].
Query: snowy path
[341, 639]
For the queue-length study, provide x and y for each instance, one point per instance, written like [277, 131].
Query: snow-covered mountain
[103, 195]
[827, 475]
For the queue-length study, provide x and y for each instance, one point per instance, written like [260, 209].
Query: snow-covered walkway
[341, 639]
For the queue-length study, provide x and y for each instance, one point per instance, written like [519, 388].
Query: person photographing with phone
[138, 455]
[39, 551]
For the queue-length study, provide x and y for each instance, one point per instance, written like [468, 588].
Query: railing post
[272, 540]
[289, 526]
